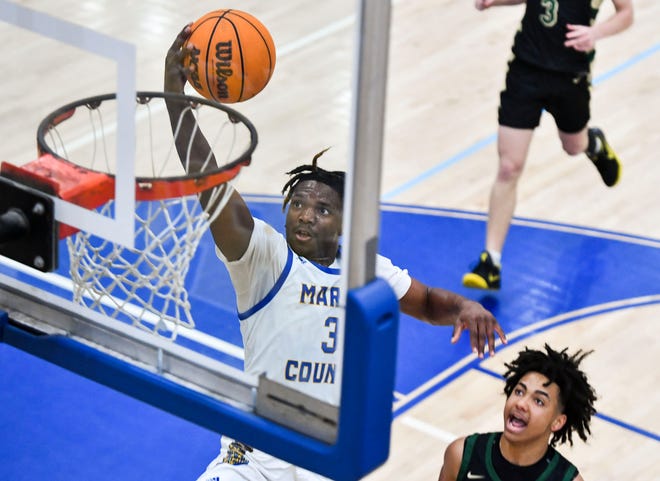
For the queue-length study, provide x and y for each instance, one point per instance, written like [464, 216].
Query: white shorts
[237, 462]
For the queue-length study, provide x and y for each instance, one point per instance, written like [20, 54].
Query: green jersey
[483, 460]
[540, 39]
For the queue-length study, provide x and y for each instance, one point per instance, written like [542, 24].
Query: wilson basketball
[233, 56]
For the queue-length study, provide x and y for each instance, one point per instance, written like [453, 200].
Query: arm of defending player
[583, 38]
[444, 308]
[484, 4]
[452, 460]
[232, 228]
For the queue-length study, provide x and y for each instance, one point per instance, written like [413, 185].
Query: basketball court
[581, 262]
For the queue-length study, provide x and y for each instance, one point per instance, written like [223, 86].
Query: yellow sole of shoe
[618, 175]
[474, 281]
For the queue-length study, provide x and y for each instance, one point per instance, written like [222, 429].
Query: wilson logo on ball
[223, 69]
[233, 56]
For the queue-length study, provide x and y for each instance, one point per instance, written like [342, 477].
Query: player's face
[532, 412]
[313, 221]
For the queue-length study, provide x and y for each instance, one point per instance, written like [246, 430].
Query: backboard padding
[164, 376]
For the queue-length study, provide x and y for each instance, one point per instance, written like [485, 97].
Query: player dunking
[550, 69]
[287, 288]
[548, 398]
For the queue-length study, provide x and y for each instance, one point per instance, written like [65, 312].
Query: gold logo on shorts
[236, 453]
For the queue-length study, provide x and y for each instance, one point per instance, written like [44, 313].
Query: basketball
[233, 56]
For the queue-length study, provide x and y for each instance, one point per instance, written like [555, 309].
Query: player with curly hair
[548, 399]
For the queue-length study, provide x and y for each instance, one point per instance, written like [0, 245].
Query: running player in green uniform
[548, 398]
[550, 70]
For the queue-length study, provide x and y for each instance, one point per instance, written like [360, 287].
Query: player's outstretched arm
[182, 120]
[444, 308]
[232, 228]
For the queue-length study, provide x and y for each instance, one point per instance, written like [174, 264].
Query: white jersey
[290, 313]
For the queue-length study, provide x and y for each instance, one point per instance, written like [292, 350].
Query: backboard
[122, 54]
[198, 376]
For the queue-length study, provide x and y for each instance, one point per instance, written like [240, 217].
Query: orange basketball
[233, 56]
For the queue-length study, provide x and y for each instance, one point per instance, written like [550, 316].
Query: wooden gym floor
[582, 262]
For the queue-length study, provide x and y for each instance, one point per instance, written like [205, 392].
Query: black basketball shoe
[605, 160]
[486, 275]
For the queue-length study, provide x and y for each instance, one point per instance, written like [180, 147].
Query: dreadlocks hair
[576, 396]
[333, 179]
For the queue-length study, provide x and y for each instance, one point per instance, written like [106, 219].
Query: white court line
[426, 428]
[320, 34]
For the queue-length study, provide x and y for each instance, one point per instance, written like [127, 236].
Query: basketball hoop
[143, 285]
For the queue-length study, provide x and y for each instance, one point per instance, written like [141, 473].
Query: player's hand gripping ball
[233, 56]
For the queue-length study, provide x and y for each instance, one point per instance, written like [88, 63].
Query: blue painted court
[56, 425]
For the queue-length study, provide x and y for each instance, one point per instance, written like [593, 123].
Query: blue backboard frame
[365, 416]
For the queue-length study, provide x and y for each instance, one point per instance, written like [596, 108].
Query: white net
[145, 284]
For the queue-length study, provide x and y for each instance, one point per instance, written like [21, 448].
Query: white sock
[496, 256]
